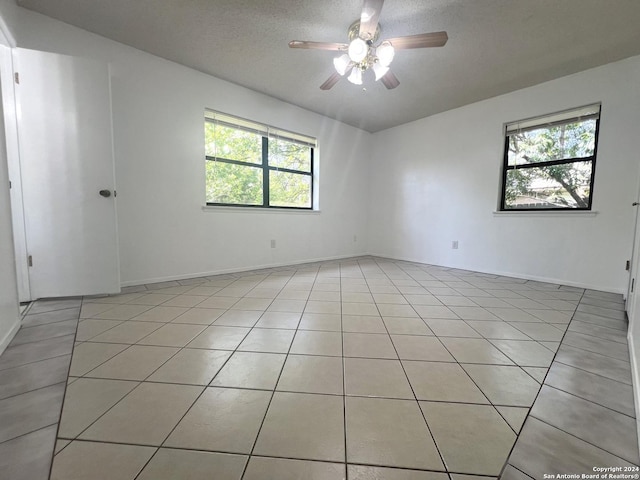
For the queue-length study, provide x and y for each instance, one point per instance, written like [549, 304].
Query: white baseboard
[169, 278]
[6, 340]
[524, 276]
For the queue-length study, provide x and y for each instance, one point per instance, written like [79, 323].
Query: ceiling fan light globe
[342, 64]
[356, 76]
[385, 53]
[379, 70]
[358, 50]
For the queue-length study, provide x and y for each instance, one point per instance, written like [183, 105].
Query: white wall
[158, 109]
[437, 180]
[9, 304]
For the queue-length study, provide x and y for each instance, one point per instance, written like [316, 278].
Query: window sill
[258, 210]
[545, 213]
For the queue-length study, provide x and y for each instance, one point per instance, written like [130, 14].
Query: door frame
[7, 45]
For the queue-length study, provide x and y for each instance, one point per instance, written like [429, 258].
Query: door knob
[105, 193]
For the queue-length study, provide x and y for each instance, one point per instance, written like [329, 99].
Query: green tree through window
[248, 165]
[550, 166]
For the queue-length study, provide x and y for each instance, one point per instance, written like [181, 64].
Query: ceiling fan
[362, 53]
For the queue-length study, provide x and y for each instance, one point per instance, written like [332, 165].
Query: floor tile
[219, 302]
[18, 355]
[172, 335]
[540, 331]
[88, 356]
[191, 366]
[198, 316]
[321, 321]
[434, 311]
[284, 305]
[525, 353]
[358, 309]
[260, 468]
[250, 370]
[394, 310]
[309, 342]
[184, 300]
[267, 340]
[514, 416]
[592, 387]
[368, 345]
[473, 313]
[419, 299]
[504, 385]
[303, 426]
[472, 438]
[606, 429]
[145, 416]
[509, 473]
[170, 464]
[537, 373]
[312, 374]
[389, 432]
[28, 457]
[89, 328]
[86, 400]
[513, 315]
[44, 332]
[25, 378]
[151, 299]
[362, 324]
[34, 320]
[376, 378]
[542, 448]
[238, 318]
[219, 337]
[474, 350]
[414, 347]
[597, 345]
[258, 304]
[361, 472]
[127, 332]
[598, 331]
[134, 363]
[51, 305]
[451, 328]
[287, 320]
[222, 419]
[30, 411]
[406, 326]
[498, 330]
[123, 312]
[595, 363]
[89, 310]
[446, 382]
[100, 461]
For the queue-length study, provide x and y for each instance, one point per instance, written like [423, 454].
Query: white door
[66, 161]
[632, 297]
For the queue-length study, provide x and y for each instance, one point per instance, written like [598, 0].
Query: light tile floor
[365, 368]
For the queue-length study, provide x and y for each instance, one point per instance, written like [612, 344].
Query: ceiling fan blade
[369, 18]
[390, 80]
[331, 81]
[318, 45]
[422, 40]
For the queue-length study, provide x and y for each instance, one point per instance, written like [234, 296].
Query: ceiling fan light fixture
[385, 53]
[379, 70]
[358, 50]
[356, 76]
[342, 63]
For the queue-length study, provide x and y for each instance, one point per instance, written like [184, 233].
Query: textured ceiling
[495, 46]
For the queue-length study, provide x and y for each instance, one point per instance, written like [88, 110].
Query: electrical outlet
[454, 244]
[273, 244]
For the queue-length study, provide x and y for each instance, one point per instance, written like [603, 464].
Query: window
[253, 165]
[549, 162]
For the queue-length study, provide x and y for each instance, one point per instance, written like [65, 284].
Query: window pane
[289, 155]
[234, 184]
[571, 140]
[289, 189]
[232, 144]
[559, 186]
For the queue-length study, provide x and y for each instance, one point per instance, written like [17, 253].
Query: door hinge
[633, 284]
[16, 76]
[30, 260]
[628, 265]
[115, 194]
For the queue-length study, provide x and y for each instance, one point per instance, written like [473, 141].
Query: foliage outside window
[549, 162]
[253, 165]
